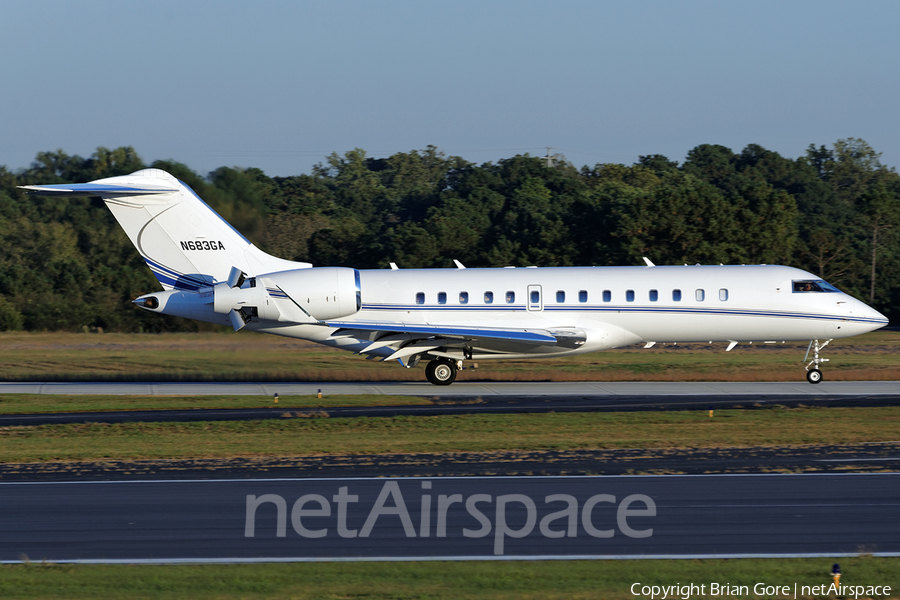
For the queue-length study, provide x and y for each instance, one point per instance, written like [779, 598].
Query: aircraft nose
[883, 320]
[875, 318]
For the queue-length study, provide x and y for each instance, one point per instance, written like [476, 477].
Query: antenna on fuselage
[648, 261]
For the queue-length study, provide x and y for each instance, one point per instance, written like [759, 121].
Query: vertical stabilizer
[185, 243]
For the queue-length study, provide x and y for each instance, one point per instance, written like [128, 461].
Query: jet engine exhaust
[150, 302]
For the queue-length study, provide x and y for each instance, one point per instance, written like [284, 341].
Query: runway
[463, 388]
[459, 399]
[445, 507]
[448, 518]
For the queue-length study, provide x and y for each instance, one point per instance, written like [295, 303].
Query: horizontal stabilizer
[94, 189]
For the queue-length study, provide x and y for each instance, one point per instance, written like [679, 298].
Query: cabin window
[442, 297]
[629, 295]
[535, 297]
[510, 297]
[560, 297]
[700, 295]
[607, 296]
[676, 295]
[464, 297]
[489, 297]
[420, 298]
[723, 294]
[582, 296]
[654, 295]
[813, 285]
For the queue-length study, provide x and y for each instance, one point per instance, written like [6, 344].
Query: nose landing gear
[814, 375]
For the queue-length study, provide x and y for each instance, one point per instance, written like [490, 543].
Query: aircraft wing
[534, 336]
[394, 340]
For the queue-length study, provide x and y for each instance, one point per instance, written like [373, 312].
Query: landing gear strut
[814, 375]
[441, 371]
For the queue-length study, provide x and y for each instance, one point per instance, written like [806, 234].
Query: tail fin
[185, 243]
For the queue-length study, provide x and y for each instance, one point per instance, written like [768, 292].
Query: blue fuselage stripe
[167, 276]
[671, 310]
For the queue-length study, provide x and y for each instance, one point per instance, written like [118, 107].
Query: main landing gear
[814, 375]
[442, 371]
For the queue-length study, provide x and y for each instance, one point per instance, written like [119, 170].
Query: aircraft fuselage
[614, 306]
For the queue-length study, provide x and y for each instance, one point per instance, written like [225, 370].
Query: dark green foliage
[65, 264]
[10, 318]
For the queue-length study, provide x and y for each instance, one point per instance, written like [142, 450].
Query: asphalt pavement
[464, 388]
[672, 516]
[498, 398]
[440, 507]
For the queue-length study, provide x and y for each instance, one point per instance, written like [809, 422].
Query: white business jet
[211, 273]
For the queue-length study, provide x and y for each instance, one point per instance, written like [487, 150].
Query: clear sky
[280, 85]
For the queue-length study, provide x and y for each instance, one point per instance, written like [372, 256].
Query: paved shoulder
[628, 388]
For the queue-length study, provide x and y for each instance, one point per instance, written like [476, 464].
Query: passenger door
[535, 300]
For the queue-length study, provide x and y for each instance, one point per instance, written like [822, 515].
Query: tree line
[66, 265]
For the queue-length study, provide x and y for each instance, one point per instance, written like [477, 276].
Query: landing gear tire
[814, 375]
[441, 372]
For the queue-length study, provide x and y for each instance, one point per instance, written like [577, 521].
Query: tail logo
[203, 245]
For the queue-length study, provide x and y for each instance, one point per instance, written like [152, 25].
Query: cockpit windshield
[813, 285]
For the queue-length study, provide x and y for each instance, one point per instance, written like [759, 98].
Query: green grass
[297, 436]
[249, 356]
[50, 403]
[610, 580]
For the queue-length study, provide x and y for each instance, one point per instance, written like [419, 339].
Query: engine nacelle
[296, 296]
[322, 292]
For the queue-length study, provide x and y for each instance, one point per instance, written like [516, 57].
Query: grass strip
[521, 580]
[247, 356]
[50, 403]
[312, 433]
